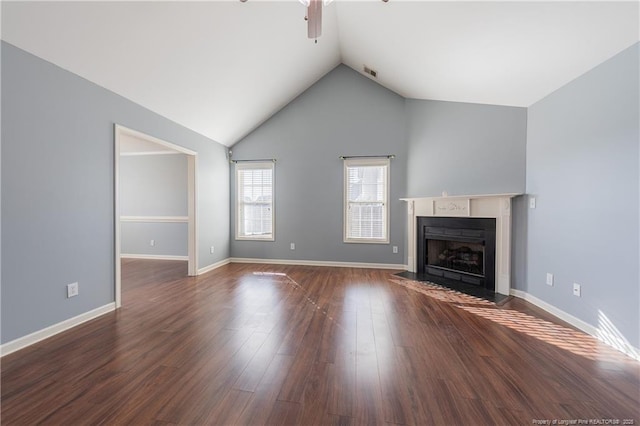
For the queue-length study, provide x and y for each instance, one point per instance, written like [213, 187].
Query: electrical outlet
[72, 290]
[212, 250]
[576, 289]
[532, 202]
[152, 243]
[549, 279]
[293, 246]
[395, 249]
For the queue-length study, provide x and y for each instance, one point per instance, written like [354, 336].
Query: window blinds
[366, 210]
[254, 183]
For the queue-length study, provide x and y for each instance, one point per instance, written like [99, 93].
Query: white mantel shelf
[497, 206]
[449, 197]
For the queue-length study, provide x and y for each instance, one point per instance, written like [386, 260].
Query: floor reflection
[441, 293]
[574, 341]
[284, 279]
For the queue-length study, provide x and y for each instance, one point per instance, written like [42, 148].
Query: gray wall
[154, 185]
[58, 194]
[468, 149]
[171, 239]
[465, 148]
[459, 147]
[582, 166]
[519, 236]
[343, 114]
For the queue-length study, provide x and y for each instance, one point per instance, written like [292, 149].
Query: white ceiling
[503, 53]
[222, 68]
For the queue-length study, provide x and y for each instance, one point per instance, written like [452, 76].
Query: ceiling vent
[372, 73]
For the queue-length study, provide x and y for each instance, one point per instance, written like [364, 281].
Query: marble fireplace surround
[497, 206]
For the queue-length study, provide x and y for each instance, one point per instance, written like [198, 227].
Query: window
[254, 201]
[366, 211]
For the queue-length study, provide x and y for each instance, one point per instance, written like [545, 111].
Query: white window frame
[361, 162]
[257, 165]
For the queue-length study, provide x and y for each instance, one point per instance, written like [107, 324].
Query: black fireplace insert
[457, 250]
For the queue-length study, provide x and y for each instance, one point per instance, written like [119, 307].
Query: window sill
[363, 241]
[255, 238]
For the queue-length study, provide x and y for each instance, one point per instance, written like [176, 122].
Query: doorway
[149, 145]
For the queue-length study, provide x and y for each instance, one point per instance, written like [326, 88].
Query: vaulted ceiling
[222, 68]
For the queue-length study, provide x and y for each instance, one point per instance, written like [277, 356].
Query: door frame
[192, 202]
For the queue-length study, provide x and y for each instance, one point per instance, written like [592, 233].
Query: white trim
[153, 256]
[155, 219]
[192, 189]
[257, 237]
[576, 322]
[192, 213]
[496, 206]
[134, 154]
[117, 131]
[319, 263]
[256, 165]
[366, 241]
[181, 150]
[568, 318]
[45, 333]
[471, 197]
[366, 162]
[213, 266]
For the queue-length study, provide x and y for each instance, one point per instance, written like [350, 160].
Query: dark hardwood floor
[313, 345]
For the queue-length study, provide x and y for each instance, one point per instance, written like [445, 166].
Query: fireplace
[457, 250]
[493, 207]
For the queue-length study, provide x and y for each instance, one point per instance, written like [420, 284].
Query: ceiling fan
[314, 17]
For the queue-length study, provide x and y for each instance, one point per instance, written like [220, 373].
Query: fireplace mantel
[497, 206]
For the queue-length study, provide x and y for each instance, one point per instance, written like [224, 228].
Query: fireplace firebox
[457, 250]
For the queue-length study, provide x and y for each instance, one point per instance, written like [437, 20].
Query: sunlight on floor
[614, 349]
[441, 293]
[282, 278]
[573, 341]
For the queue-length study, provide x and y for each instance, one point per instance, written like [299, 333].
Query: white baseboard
[30, 339]
[214, 266]
[319, 263]
[576, 322]
[153, 257]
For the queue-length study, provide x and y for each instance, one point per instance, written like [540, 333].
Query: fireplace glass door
[457, 250]
[456, 256]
